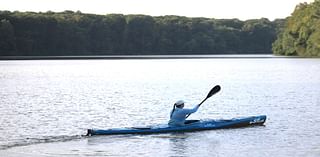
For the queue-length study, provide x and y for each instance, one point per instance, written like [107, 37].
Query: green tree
[139, 35]
[7, 38]
[301, 33]
[76, 33]
[174, 33]
[259, 35]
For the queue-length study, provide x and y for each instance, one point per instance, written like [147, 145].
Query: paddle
[213, 91]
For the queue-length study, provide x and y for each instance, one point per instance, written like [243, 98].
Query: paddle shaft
[213, 91]
[199, 106]
[203, 101]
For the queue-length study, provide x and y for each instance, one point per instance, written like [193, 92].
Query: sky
[219, 9]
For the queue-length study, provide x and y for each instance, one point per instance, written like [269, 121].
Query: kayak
[194, 125]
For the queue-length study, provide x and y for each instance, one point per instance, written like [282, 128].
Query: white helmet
[180, 102]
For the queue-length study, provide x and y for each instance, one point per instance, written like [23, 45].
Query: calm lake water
[46, 105]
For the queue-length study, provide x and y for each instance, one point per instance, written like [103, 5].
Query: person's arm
[189, 111]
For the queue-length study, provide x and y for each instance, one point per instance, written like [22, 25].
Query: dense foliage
[76, 33]
[301, 35]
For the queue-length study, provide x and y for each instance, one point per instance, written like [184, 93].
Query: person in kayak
[179, 114]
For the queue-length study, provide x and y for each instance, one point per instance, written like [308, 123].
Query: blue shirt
[179, 115]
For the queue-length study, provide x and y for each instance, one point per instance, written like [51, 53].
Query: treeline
[76, 33]
[301, 35]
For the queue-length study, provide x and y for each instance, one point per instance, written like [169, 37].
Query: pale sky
[241, 9]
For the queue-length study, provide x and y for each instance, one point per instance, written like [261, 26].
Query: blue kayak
[193, 125]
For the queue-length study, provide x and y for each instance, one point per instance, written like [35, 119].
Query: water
[46, 105]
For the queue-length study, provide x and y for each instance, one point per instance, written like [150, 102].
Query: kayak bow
[209, 124]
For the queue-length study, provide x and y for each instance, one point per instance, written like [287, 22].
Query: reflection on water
[47, 105]
[178, 143]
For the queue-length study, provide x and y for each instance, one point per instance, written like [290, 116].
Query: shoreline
[118, 57]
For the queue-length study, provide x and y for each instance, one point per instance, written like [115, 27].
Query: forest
[301, 33]
[75, 33]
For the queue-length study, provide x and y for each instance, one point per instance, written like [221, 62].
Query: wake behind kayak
[210, 124]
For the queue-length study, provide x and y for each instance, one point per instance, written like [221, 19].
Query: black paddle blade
[214, 90]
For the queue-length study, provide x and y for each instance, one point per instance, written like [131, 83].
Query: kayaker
[179, 114]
